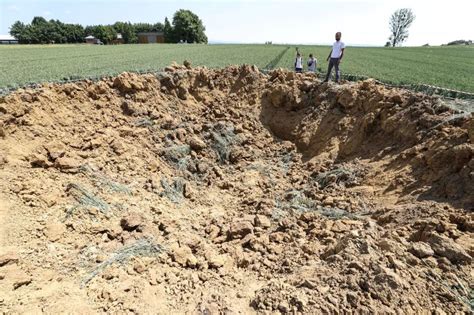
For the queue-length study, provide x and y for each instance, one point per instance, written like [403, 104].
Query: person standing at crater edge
[335, 57]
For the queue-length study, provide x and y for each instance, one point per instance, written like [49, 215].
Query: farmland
[448, 67]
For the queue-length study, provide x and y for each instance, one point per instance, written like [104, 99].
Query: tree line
[185, 26]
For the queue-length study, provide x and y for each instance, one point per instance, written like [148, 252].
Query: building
[118, 39]
[151, 37]
[92, 40]
[7, 39]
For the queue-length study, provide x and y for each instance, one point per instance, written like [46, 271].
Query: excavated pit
[231, 191]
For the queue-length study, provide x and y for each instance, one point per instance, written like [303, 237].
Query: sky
[362, 22]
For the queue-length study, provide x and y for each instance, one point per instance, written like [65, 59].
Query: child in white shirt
[298, 63]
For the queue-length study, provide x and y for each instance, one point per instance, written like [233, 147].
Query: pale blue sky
[362, 22]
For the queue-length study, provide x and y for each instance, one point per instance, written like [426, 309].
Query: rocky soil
[234, 192]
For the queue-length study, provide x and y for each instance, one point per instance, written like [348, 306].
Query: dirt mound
[231, 191]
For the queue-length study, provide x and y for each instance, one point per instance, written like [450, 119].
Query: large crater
[231, 191]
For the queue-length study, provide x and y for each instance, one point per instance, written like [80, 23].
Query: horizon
[363, 23]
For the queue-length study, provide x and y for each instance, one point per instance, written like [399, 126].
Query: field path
[276, 60]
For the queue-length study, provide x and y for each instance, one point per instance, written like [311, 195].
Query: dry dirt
[234, 192]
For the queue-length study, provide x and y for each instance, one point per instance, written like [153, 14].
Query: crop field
[448, 67]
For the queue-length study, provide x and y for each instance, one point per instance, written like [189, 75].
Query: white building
[7, 39]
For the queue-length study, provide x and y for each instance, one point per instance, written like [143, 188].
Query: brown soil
[231, 191]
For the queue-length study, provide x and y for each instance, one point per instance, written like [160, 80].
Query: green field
[449, 67]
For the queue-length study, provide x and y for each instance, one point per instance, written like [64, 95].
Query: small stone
[386, 245]
[132, 221]
[183, 255]
[240, 228]
[39, 160]
[352, 298]
[308, 284]
[188, 191]
[215, 260]
[262, 221]
[192, 261]
[396, 264]
[55, 150]
[187, 64]
[283, 307]
[54, 231]
[118, 147]
[8, 259]
[431, 262]
[197, 144]
[21, 280]
[323, 290]
[202, 167]
[67, 164]
[139, 266]
[356, 265]
[329, 201]
[446, 247]
[421, 250]
[387, 276]
[180, 134]
[339, 227]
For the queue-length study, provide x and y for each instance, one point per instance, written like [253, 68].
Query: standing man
[335, 56]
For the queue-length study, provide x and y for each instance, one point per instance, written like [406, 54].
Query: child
[298, 63]
[312, 62]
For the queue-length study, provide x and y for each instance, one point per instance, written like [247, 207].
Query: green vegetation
[449, 67]
[186, 27]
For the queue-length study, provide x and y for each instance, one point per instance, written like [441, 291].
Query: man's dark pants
[333, 62]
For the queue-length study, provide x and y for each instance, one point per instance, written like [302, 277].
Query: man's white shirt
[337, 48]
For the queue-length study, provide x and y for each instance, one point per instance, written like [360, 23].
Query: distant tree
[38, 20]
[147, 27]
[158, 27]
[388, 44]
[188, 27]
[106, 33]
[41, 31]
[460, 42]
[74, 33]
[400, 21]
[20, 32]
[142, 27]
[168, 30]
[127, 30]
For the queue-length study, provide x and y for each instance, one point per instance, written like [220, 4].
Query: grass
[144, 247]
[449, 67]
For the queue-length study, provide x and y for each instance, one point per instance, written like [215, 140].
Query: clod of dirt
[233, 191]
[132, 221]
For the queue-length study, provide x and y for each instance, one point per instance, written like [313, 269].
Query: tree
[142, 27]
[168, 32]
[20, 32]
[127, 30]
[188, 27]
[400, 21]
[105, 33]
[158, 27]
[74, 33]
